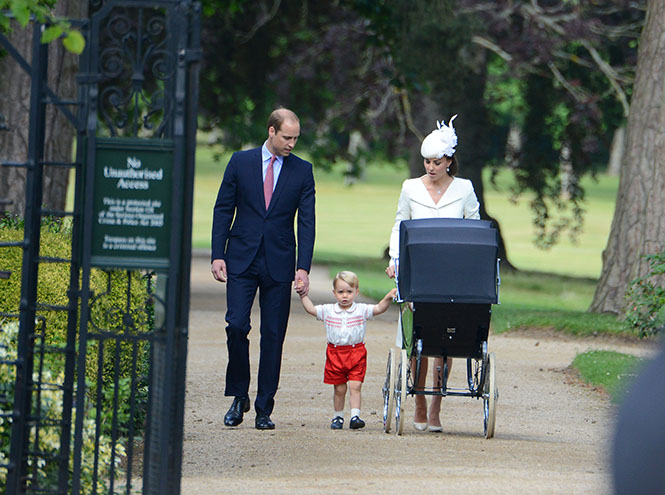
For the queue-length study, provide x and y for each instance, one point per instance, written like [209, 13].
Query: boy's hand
[384, 303]
[301, 282]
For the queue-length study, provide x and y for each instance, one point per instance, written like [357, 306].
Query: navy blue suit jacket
[241, 222]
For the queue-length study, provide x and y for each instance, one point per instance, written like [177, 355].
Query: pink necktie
[268, 183]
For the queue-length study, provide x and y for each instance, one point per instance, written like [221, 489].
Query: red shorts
[344, 363]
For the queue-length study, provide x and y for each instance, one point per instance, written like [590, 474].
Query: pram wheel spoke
[490, 395]
[474, 376]
[389, 392]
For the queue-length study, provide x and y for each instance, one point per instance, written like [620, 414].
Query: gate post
[167, 478]
[141, 91]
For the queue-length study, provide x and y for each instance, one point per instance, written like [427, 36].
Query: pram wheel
[490, 396]
[389, 392]
[400, 392]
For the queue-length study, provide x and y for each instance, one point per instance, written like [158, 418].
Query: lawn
[611, 371]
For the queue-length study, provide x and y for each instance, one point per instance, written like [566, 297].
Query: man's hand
[218, 269]
[301, 282]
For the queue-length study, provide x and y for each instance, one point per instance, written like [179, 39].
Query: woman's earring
[448, 170]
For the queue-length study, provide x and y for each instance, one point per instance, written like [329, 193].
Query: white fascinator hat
[441, 141]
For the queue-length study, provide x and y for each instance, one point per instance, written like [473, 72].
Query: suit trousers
[275, 304]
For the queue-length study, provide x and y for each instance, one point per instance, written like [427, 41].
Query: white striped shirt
[345, 326]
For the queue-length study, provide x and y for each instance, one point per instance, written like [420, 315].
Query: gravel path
[552, 434]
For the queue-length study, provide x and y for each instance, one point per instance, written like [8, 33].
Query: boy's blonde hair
[348, 277]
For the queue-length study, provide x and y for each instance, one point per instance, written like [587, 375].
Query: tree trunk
[15, 107]
[617, 151]
[638, 227]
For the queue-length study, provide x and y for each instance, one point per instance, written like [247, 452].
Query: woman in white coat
[437, 194]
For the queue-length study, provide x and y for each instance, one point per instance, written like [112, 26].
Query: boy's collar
[339, 309]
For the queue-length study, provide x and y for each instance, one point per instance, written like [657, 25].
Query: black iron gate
[93, 350]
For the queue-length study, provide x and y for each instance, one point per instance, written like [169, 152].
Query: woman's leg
[420, 415]
[437, 378]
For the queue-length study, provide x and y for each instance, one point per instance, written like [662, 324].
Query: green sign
[132, 203]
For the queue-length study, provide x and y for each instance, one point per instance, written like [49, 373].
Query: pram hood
[448, 260]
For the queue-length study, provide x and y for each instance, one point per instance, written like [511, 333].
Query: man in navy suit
[254, 248]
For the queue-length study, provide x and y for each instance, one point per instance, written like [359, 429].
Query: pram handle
[398, 299]
[498, 280]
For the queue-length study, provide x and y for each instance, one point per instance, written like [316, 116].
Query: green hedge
[108, 305]
[52, 284]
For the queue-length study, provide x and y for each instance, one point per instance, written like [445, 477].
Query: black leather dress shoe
[234, 415]
[263, 422]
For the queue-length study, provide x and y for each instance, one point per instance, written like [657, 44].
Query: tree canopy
[555, 76]
[540, 85]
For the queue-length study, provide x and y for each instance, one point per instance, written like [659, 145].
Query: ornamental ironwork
[136, 67]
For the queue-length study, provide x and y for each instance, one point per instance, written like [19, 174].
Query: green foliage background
[114, 362]
[49, 436]
[72, 39]
[52, 289]
[646, 310]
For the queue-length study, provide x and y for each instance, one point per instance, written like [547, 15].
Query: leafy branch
[41, 10]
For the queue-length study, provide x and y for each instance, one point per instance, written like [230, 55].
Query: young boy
[346, 356]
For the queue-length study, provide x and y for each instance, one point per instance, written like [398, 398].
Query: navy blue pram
[447, 280]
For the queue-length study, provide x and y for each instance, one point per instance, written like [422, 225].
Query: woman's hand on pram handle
[390, 271]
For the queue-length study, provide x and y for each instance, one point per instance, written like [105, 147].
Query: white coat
[415, 202]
